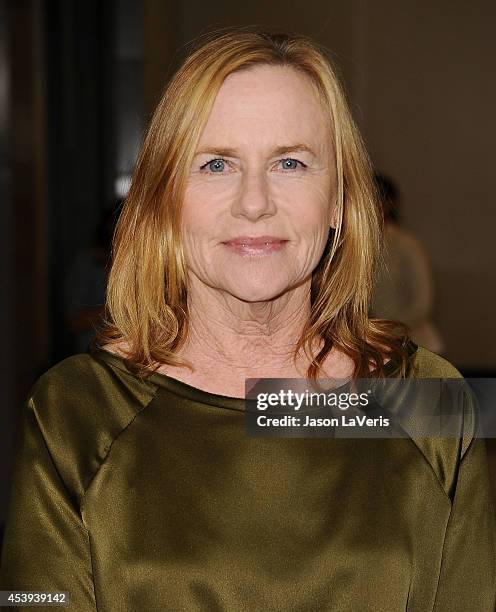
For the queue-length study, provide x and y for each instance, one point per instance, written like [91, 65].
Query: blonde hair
[146, 303]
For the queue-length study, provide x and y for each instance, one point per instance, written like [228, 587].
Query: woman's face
[264, 168]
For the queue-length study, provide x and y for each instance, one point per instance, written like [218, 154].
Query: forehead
[267, 104]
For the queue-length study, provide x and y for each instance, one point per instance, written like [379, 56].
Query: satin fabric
[147, 495]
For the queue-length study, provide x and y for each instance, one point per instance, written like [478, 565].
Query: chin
[262, 291]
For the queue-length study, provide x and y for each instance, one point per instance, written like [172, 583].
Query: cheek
[310, 220]
[192, 220]
[199, 216]
[204, 207]
[310, 208]
[194, 208]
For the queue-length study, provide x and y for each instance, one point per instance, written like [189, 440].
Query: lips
[254, 241]
[255, 246]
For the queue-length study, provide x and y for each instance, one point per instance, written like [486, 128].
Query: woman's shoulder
[89, 377]
[81, 405]
[431, 365]
[456, 396]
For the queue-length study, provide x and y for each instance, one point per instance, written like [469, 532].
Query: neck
[247, 339]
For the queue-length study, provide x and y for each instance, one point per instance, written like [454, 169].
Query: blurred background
[79, 80]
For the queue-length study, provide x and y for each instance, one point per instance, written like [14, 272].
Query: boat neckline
[206, 397]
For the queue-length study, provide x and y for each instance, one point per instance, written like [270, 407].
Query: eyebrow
[228, 152]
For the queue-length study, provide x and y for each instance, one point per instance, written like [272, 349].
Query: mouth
[255, 246]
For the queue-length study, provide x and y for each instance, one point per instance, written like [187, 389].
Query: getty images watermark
[300, 402]
[371, 408]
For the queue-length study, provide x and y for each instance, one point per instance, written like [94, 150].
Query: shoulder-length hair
[146, 303]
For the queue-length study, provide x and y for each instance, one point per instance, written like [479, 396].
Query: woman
[136, 486]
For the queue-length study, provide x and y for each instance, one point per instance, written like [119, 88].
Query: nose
[253, 200]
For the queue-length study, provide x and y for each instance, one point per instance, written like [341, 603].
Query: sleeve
[46, 546]
[468, 568]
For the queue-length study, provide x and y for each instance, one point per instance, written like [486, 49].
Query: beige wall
[420, 79]
[428, 100]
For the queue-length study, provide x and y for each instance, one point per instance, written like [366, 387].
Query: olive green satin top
[149, 496]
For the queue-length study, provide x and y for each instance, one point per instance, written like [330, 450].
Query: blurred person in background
[404, 284]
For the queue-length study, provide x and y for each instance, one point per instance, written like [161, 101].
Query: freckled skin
[247, 313]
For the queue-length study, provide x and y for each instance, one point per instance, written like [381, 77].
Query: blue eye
[214, 165]
[291, 164]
